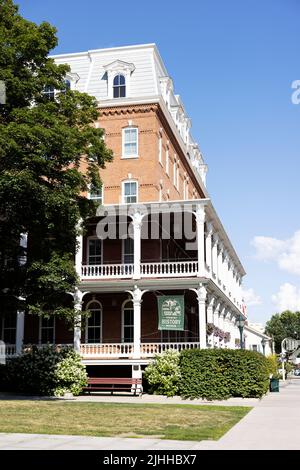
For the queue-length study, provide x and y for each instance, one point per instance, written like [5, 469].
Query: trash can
[274, 385]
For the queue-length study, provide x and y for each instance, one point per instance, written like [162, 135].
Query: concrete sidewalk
[273, 423]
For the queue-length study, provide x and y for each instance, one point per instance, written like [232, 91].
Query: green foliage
[222, 373]
[163, 374]
[50, 152]
[44, 371]
[273, 364]
[283, 325]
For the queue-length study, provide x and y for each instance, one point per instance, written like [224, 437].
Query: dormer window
[119, 86]
[118, 75]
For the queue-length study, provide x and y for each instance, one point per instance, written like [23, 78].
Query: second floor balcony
[160, 241]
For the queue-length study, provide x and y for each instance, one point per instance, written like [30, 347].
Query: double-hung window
[94, 251]
[119, 86]
[127, 322]
[128, 251]
[9, 325]
[96, 193]
[130, 192]
[47, 330]
[130, 142]
[94, 322]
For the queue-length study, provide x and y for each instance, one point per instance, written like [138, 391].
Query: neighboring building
[157, 175]
[256, 339]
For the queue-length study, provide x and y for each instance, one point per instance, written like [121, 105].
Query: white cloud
[250, 297]
[286, 253]
[287, 298]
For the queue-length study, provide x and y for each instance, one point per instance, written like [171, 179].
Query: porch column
[216, 314]
[77, 296]
[210, 317]
[220, 261]
[225, 272]
[137, 295]
[200, 219]
[201, 297]
[137, 224]
[233, 329]
[215, 256]
[208, 237]
[79, 251]
[222, 325]
[20, 331]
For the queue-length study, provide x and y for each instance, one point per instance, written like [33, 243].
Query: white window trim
[167, 161]
[96, 198]
[40, 330]
[123, 191]
[101, 321]
[127, 301]
[174, 171]
[160, 148]
[137, 142]
[93, 237]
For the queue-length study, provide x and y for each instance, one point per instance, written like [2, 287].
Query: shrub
[223, 373]
[44, 371]
[163, 374]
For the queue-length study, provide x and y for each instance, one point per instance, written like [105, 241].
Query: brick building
[156, 232]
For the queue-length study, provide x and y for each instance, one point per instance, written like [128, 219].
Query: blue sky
[233, 64]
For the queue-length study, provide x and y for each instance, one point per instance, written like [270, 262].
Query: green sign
[171, 312]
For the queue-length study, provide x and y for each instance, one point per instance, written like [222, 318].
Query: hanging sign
[171, 312]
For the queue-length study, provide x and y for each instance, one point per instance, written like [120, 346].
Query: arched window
[119, 86]
[127, 322]
[94, 322]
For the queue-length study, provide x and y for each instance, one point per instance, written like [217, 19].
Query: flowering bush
[163, 375]
[44, 371]
[211, 329]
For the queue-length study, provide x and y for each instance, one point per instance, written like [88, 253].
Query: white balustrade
[150, 349]
[107, 271]
[170, 269]
[110, 350]
[106, 350]
[10, 349]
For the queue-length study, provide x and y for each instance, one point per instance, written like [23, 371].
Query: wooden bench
[114, 384]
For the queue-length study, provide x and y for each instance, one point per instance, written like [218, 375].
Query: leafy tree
[50, 152]
[283, 325]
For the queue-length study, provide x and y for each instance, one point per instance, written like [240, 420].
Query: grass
[182, 422]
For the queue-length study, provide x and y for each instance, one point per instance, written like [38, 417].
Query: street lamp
[241, 323]
[263, 343]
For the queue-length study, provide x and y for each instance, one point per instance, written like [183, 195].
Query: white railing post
[20, 331]
[200, 219]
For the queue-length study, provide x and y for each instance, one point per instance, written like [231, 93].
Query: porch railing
[107, 271]
[10, 349]
[165, 269]
[106, 350]
[169, 269]
[150, 349]
[110, 350]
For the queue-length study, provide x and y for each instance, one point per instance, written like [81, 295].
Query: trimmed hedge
[44, 371]
[222, 373]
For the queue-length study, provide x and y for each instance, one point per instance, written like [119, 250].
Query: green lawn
[183, 422]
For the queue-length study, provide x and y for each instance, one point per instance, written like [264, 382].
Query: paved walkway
[273, 423]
